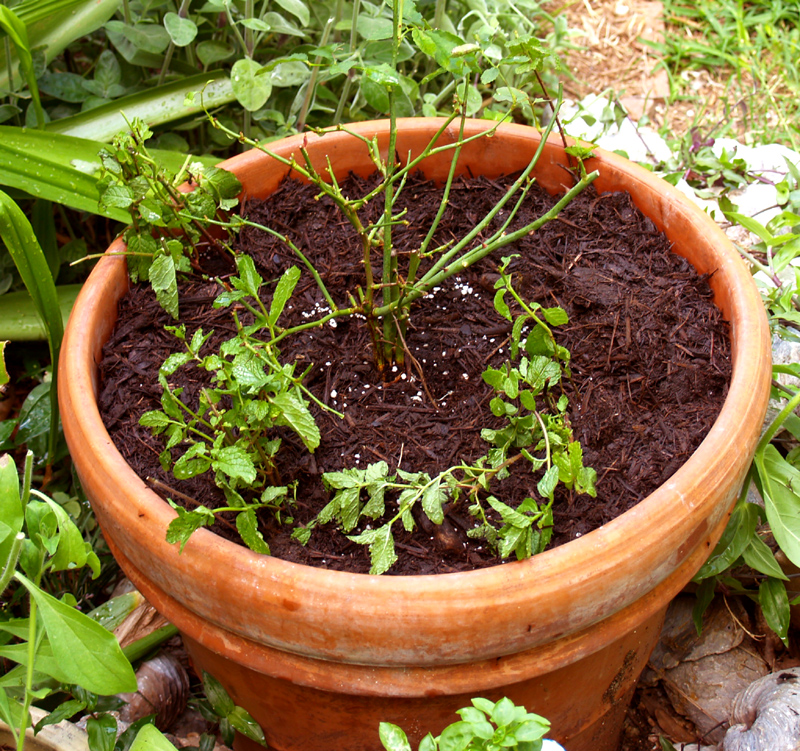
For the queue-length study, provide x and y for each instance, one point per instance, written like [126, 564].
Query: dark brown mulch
[650, 362]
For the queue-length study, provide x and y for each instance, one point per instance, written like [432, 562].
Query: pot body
[320, 657]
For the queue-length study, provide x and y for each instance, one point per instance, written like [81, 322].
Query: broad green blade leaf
[150, 738]
[4, 378]
[217, 696]
[44, 662]
[54, 24]
[11, 512]
[15, 28]
[759, 556]
[780, 482]
[19, 321]
[87, 654]
[243, 723]
[62, 168]
[247, 526]
[774, 603]
[234, 462]
[17, 234]
[154, 106]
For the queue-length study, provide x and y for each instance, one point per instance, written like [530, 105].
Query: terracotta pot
[318, 657]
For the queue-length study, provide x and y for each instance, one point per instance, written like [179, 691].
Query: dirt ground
[611, 55]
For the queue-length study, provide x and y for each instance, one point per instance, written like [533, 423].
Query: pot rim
[582, 563]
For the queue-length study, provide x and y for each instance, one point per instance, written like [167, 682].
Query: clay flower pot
[319, 657]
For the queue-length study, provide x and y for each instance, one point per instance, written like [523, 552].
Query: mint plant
[485, 726]
[168, 228]
[537, 431]
[231, 430]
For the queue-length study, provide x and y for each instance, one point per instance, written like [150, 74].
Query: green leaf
[235, 462]
[735, 538]
[775, 605]
[250, 89]
[780, 482]
[393, 738]
[164, 282]
[280, 25]
[217, 696]
[555, 316]
[155, 105]
[11, 511]
[283, 291]
[374, 28]
[150, 738]
[102, 732]
[184, 525]
[18, 33]
[456, 737]
[547, 485]
[295, 414]
[247, 526]
[503, 712]
[758, 556]
[72, 551]
[433, 498]
[20, 241]
[243, 723]
[182, 31]
[87, 654]
[298, 9]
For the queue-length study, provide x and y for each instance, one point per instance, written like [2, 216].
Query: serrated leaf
[247, 526]
[234, 462]
[296, 415]
[186, 523]
[555, 316]
[165, 284]
[547, 485]
[433, 498]
[774, 603]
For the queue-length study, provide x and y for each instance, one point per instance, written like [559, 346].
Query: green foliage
[56, 643]
[536, 432]
[132, 181]
[21, 243]
[753, 45]
[485, 726]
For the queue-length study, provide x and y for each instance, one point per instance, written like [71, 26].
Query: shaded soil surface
[650, 363]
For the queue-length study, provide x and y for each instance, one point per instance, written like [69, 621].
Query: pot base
[302, 718]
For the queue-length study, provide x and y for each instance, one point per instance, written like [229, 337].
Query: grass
[753, 48]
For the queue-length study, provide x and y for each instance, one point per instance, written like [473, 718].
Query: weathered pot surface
[320, 657]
